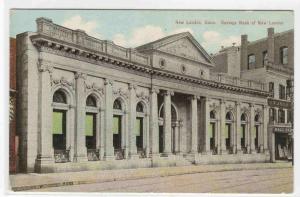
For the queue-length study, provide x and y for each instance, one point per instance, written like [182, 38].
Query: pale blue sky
[131, 28]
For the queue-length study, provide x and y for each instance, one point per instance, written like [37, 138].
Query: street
[246, 181]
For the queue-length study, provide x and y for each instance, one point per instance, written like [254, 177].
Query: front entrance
[282, 146]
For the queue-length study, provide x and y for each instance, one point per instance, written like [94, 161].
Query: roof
[171, 38]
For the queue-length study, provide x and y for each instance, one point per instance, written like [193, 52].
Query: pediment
[184, 48]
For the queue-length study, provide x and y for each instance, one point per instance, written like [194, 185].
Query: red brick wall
[13, 143]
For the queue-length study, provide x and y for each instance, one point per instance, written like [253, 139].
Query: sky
[132, 28]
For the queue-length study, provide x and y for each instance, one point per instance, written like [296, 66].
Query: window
[271, 87]
[90, 130]
[281, 116]
[212, 115]
[59, 97]
[117, 132]
[117, 105]
[139, 107]
[91, 101]
[228, 116]
[211, 134]
[139, 133]
[272, 115]
[284, 55]
[59, 129]
[251, 61]
[265, 58]
[227, 136]
[243, 131]
[282, 92]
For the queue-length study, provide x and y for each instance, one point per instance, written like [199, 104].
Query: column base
[154, 155]
[208, 152]
[166, 154]
[239, 152]
[134, 156]
[80, 158]
[42, 163]
[109, 158]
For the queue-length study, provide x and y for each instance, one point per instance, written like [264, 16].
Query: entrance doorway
[282, 147]
[161, 139]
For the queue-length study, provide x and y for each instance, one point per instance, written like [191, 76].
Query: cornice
[58, 47]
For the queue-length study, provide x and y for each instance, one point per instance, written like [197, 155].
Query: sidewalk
[21, 182]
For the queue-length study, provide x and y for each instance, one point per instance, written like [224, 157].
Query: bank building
[89, 104]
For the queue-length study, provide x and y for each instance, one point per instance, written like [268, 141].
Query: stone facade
[186, 116]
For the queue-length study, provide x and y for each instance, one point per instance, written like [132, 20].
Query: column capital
[79, 75]
[265, 106]
[168, 93]
[251, 104]
[108, 82]
[205, 99]
[45, 67]
[132, 86]
[237, 103]
[194, 97]
[154, 90]
[222, 101]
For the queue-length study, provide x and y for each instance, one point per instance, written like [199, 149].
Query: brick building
[269, 60]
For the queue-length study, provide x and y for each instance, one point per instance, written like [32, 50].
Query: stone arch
[122, 101]
[68, 92]
[144, 104]
[98, 98]
[174, 111]
[229, 116]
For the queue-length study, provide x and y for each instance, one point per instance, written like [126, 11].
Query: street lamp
[290, 94]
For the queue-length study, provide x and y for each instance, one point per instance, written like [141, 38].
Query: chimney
[244, 52]
[271, 58]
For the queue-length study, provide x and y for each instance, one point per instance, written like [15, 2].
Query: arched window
[139, 107]
[212, 115]
[256, 118]
[59, 127]
[243, 117]
[59, 97]
[229, 116]
[117, 104]
[91, 101]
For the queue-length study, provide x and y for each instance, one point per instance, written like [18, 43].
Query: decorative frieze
[142, 96]
[94, 88]
[121, 93]
[63, 82]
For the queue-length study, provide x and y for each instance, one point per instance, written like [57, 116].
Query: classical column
[132, 120]
[154, 131]
[205, 127]
[222, 144]
[45, 148]
[265, 128]
[167, 122]
[194, 121]
[101, 141]
[108, 120]
[252, 129]
[276, 114]
[237, 141]
[80, 147]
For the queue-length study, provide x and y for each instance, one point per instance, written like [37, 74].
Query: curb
[150, 175]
